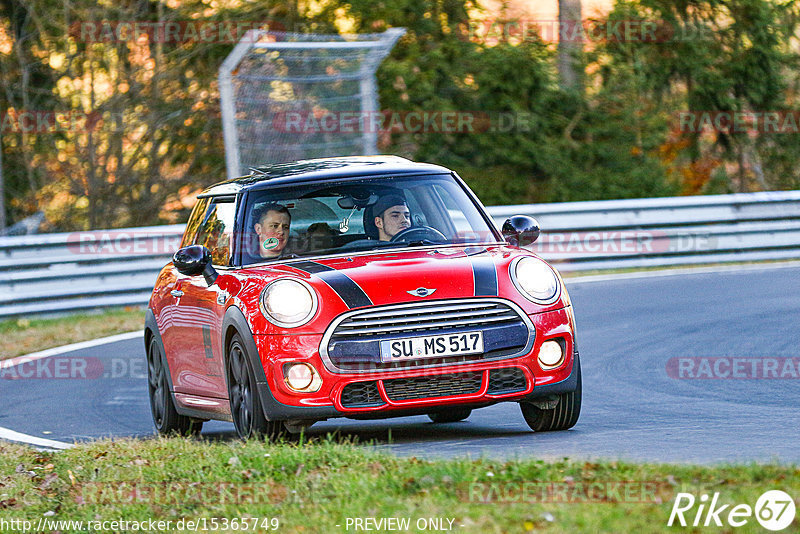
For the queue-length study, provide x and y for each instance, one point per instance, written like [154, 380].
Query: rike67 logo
[774, 510]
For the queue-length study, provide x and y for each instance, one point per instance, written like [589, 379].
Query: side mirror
[194, 260]
[521, 230]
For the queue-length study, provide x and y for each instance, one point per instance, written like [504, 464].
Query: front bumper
[400, 393]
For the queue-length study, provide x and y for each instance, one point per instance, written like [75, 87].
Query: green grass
[23, 336]
[315, 487]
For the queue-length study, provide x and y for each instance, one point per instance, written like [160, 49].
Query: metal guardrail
[54, 273]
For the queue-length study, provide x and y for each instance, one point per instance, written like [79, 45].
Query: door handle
[177, 293]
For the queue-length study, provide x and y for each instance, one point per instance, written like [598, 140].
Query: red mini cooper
[360, 287]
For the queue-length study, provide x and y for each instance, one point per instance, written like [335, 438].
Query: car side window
[216, 230]
[197, 217]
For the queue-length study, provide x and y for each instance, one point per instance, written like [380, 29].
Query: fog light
[302, 377]
[550, 354]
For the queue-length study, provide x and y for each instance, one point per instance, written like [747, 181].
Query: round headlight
[289, 303]
[535, 279]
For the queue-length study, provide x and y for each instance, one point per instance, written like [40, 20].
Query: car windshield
[360, 214]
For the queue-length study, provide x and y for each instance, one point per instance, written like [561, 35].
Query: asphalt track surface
[628, 331]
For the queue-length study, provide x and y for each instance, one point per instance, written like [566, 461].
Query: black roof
[315, 169]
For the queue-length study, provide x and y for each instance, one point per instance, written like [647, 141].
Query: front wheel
[562, 416]
[165, 417]
[246, 411]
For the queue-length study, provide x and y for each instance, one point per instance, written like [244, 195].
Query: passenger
[320, 236]
[272, 229]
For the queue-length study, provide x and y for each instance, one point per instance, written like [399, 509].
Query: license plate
[431, 346]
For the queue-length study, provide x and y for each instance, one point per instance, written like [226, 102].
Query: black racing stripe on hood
[350, 292]
[485, 275]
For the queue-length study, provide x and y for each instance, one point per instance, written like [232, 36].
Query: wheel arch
[233, 322]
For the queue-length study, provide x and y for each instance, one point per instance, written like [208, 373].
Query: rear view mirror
[351, 201]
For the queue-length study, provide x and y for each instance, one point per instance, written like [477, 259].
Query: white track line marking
[732, 269]
[12, 435]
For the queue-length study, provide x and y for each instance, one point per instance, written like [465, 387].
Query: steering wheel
[419, 233]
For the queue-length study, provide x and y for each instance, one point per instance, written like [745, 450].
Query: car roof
[322, 168]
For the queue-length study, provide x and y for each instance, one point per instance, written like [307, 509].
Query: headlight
[288, 302]
[535, 280]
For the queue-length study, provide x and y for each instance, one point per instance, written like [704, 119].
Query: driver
[391, 216]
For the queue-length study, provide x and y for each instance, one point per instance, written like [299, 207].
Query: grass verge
[23, 336]
[319, 487]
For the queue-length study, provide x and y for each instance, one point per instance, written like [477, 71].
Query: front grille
[361, 395]
[424, 317]
[422, 387]
[508, 380]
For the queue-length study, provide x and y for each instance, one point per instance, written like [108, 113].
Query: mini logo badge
[421, 292]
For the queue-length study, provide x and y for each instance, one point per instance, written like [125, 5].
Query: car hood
[408, 275]
[394, 277]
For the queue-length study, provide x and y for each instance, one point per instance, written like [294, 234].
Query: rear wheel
[246, 411]
[450, 416]
[165, 417]
[559, 413]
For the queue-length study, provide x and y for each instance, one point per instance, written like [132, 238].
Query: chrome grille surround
[425, 318]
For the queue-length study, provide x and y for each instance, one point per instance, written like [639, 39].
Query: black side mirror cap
[194, 260]
[521, 230]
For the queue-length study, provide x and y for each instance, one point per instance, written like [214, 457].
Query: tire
[450, 416]
[246, 410]
[166, 418]
[562, 417]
